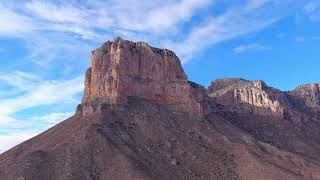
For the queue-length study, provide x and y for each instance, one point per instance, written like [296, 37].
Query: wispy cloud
[30, 91]
[13, 23]
[53, 118]
[233, 23]
[158, 22]
[92, 19]
[44, 50]
[35, 92]
[44, 93]
[251, 47]
[19, 81]
[53, 29]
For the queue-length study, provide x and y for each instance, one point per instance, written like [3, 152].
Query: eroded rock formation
[121, 68]
[308, 95]
[237, 92]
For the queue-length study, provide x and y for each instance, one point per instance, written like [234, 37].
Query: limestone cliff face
[238, 92]
[122, 68]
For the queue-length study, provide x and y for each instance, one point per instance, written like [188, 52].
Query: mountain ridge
[141, 118]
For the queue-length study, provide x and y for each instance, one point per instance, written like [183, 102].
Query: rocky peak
[308, 95]
[235, 91]
[220, 86]
[308, 88]
[122, 68]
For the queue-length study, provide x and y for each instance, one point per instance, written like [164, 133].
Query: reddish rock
[121, 68]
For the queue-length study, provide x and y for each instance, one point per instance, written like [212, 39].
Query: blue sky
[45, 46]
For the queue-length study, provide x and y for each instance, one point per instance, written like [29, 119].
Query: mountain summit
[120, 69]
[140, 118]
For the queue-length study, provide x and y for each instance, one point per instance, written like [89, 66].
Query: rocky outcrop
[235, 93]
[308, 95]
[121, 68]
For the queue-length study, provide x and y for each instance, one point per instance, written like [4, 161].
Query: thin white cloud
[33, 92]
[63, 18]
[153, 17]
[95, 18]
[6, 120]
[13, 23]
[53, 118]
[46, 50]
[251, 47]
[236, 22]
[168, 16]
[56, 13]
[44, 93]
[20, 81]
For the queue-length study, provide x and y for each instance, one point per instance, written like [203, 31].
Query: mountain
[140, 118]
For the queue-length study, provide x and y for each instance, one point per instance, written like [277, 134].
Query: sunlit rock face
[255, 95]
[239, 92]
[121, 68]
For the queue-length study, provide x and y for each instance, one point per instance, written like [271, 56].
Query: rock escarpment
[243, 96]
[121, 68]
[236, 93]
[308, 95]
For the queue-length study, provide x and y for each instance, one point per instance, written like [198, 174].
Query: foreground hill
[140, 118]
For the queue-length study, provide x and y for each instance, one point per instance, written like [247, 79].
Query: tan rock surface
[255, 93]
